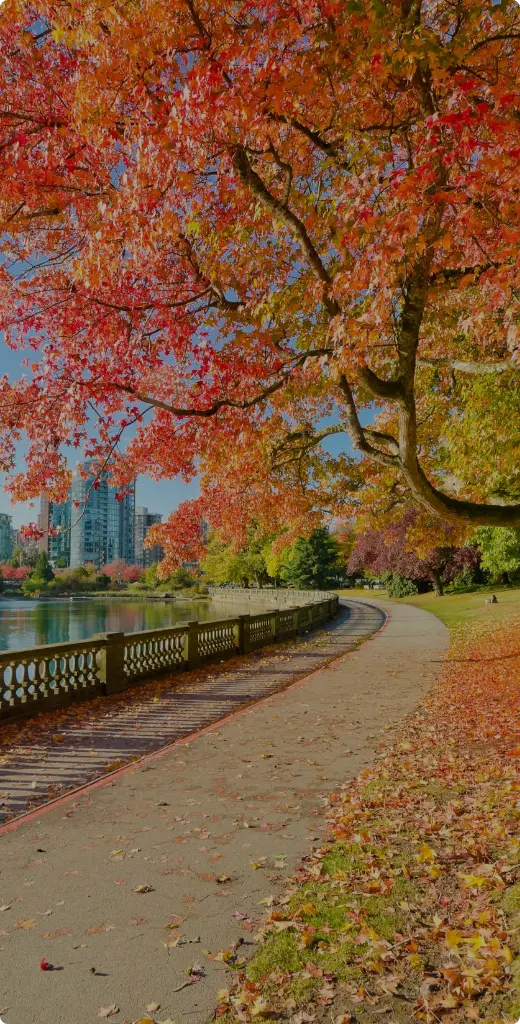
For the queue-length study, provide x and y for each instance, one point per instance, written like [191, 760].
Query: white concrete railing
[41, 678]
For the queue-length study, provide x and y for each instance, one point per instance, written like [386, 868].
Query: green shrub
[399, 586]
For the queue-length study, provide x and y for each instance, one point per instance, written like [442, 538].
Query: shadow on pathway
[62, 750]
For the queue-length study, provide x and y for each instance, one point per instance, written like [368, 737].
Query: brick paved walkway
[61, 751]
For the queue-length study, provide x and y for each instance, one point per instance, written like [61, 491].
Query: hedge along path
[411, 912]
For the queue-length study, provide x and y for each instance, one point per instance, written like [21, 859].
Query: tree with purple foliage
[389, 550]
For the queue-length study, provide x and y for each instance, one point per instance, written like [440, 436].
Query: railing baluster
[56, 674]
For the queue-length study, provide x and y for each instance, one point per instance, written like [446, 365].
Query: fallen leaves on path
[412, 910]
[59, 731]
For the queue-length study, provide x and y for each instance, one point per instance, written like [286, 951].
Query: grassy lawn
[456, 609]
[411, 909]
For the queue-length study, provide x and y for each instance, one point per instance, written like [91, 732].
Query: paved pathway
[211, 826]
[60, 751]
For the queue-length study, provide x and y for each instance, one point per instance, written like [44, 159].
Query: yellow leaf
[415, 961]
[473, 881]
[259, 1006]
[453, 938]
[306, 910]
[434, 871]
[426, 854]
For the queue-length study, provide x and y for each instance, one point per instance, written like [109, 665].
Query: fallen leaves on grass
[412, 910]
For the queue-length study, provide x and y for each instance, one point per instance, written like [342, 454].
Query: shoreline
[100, 594]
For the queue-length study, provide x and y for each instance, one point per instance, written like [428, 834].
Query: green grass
[456, 609]
[324, 907]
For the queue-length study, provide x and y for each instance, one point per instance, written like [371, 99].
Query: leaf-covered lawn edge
[411, 912]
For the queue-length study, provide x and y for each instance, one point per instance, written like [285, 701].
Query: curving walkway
[211, 826]
[60, 751]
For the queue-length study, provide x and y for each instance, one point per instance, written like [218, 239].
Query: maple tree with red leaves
[10, 573]
[121, 572]
[229, 230]
[389, 550]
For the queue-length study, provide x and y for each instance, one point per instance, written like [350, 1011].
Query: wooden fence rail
[41, 678]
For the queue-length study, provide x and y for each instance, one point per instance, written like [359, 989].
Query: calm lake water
[32, 623]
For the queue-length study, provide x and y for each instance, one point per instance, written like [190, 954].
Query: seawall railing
[38, 679]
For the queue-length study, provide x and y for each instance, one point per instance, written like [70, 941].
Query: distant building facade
[6, 537]
[102, 528]
[145, 557]
[54, 517]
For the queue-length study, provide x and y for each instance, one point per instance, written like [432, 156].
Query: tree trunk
[437, 582]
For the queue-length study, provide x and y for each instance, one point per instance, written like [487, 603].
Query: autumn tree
[227, 563]
[120, 572]
[391, 551]
[230, 231]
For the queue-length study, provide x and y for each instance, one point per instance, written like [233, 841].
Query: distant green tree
[80, 573]
[17, 557]
[399, 586]
[223, 564]
[41, 576]
[312, 564]
[43, 569]
[500, 551]
[61, 563]
[150, 575]
[181, 579]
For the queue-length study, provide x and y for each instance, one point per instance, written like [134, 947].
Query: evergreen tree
[43, 569]
[312, 564]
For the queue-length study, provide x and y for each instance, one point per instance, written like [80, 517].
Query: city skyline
[106, 528]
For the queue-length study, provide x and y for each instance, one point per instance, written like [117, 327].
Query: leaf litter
[411, 911]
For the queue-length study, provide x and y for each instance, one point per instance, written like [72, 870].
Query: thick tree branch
[285, 216]
[474, 368]
[495, 38]
[313, 136]
[221, 403]
[380, 437]
[357, 432]
[457, 510]
[379, 388]
[457, 273]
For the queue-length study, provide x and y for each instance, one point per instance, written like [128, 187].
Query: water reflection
[32, 623]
